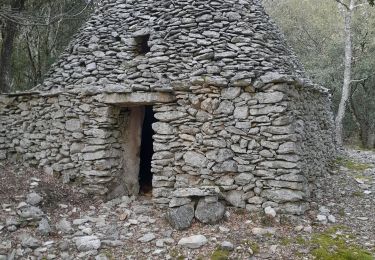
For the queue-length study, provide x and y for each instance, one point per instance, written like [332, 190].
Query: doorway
[137, 145]
[145, 173]
[136, 140]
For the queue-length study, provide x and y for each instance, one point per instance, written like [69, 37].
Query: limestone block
[226, 107]
[195, 192]
[261, 119]
[268, 98]
[176, 202]
[279, 164]
[266, 154]
[243, 179]
[217, 142]
[169, 116]
[286, 184]
[246, 168]
[230, 93]
[237, 149]
[91, 66]
[267, 110]
[210, 105]
[95, 155]
[223, 155]
[162, 128]
[225, 181]
[235, 198]
[181, 217]
[283, 195]
[209, 212]
[293, 208]
[256, 200]
[243, 125]
[289, 147]
[269, 145]
[161, 192]
[292, 177]
[193, 242]
[73, 125]
[253, 145]
[241, 112]
[235, 130]
[76, 148]
[203, 116]
[283, 120]
[227, 166]
[195, 159]
[278, 130]
[216, 81]
[162, 155]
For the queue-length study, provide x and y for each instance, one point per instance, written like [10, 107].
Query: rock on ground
[209, 212]
[87, 243]
[193, 242]
[181, 217]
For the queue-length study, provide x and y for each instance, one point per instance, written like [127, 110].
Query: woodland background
[34, 32]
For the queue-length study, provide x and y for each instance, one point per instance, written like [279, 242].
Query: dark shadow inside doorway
[145, 174]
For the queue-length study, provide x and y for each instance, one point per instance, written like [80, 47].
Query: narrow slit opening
[145, 174]
[142, 44]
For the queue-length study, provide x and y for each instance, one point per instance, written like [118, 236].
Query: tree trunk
[347, 73]
[9, 34]
[368, 137]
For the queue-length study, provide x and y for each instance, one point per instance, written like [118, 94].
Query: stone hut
[191, 98]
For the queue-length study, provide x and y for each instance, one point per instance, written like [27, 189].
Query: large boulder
[209, 212]
[181, 217]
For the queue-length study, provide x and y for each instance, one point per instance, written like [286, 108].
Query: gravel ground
[340, 224]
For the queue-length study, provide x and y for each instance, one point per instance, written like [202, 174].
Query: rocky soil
[41, 218]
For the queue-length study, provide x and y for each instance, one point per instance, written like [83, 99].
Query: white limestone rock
[87, 243]
[193, 242]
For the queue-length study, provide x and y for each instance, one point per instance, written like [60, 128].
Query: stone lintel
[136, 99]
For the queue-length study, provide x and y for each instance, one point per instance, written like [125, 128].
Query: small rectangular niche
[142, 44]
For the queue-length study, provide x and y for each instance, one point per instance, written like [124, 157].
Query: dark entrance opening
[142, 44]
[145, 174]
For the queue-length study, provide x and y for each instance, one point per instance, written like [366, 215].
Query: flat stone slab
[136, 99]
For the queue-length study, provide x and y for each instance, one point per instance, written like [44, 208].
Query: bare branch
[28, 20]
[359, 80]
[343, 4]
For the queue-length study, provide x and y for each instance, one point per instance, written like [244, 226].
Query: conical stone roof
[160, 45]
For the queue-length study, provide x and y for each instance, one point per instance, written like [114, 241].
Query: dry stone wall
[70, 135]
[315, 130]
[241, 146]
[252, 148]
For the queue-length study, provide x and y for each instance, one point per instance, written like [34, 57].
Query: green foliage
[353, 165]
[175, 254]
[220, 254]
[254, 246]
[315, 30]
[44, 30]
[332, 246]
